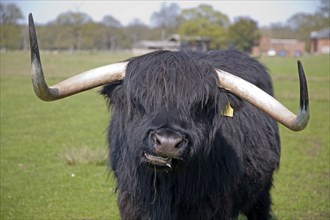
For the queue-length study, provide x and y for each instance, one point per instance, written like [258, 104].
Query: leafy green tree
[206, 23]
[206, 12]
[244, 34]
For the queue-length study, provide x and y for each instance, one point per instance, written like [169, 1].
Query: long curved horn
[81, 82]
[113, 72]
[267, 103]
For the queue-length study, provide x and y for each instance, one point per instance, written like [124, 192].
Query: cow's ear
[108, 89]
[235, 101]
[229, 103]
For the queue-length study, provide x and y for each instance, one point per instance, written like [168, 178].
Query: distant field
[53, 154]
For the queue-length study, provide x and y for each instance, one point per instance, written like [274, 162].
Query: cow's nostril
[183, 143]
[157, 140]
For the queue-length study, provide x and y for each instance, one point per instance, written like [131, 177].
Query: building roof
[284, 41]
[321, 34]
[156, 44]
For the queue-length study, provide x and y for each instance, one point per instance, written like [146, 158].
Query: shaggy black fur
[229, 165]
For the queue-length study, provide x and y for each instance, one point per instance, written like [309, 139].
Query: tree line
[77, 30]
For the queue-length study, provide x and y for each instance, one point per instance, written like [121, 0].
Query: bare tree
[74, 21]
[166, 18]
[324, 8]
[11, 34]
[10, 14]
[137, 31]
[112, 26]
[111, 22]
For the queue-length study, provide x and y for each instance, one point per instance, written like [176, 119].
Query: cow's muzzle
[167, 147]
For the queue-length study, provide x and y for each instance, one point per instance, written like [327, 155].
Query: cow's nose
[168, 144]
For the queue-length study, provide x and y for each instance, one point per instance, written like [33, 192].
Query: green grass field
[53, 154]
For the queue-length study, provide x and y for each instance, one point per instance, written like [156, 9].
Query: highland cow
[192, 135]
[174, 152]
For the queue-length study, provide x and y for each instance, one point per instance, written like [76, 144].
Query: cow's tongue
[159, 161]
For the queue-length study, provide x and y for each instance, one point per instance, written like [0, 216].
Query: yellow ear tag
[229, 111]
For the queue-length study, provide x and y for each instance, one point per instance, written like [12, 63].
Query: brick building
[320, 42]
[279, 47]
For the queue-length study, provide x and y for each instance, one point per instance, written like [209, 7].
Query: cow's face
[165, 109]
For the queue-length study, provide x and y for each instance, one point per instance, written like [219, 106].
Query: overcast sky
[264, 12]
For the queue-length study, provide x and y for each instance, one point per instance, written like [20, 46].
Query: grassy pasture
[52, 154]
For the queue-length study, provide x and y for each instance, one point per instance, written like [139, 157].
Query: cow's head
[166, 107]
[161, 96]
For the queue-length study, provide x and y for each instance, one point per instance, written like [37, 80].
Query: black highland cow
[175, 154]
[185, 141]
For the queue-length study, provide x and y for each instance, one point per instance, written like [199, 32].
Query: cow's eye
[138, 107]
[203, 111]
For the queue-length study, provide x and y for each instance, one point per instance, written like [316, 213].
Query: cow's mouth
[158, 161]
